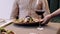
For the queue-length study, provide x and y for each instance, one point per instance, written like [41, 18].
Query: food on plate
[29, 19]
[15, 20]
[3, 31]
[35, 20]
[26, 20]
[21, 20]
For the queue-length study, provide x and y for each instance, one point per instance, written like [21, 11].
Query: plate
[26, 23]
[35, 21]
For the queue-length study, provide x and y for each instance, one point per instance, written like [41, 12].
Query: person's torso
[28, 7]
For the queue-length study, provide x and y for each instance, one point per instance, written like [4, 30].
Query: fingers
[41, 20]
[44, 21]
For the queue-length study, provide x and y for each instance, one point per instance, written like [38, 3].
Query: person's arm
[47, 18]
[15, 10]
[56, 13]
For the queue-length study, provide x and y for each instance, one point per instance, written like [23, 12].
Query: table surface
[51, 28]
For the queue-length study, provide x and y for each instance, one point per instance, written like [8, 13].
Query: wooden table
[51, 28]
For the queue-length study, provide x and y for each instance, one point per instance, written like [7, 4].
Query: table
[51, 28]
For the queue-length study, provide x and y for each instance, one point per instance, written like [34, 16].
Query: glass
[40, 12]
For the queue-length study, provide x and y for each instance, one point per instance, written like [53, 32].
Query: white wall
[6, 8]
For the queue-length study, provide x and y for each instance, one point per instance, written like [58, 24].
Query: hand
[45, 20]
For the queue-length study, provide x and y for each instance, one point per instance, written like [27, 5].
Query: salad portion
[26, 20]
[4, 31]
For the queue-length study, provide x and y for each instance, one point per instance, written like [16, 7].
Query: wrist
[51, 16]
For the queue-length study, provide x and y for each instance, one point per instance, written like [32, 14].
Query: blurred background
[6, 8]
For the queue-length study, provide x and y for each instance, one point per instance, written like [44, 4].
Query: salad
[4, 31]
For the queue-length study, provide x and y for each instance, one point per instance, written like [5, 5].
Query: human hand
[45, 20]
